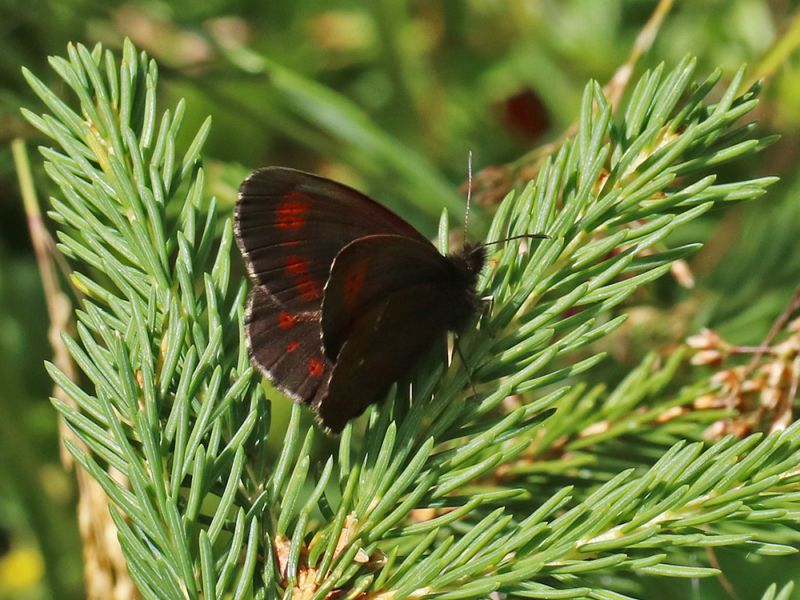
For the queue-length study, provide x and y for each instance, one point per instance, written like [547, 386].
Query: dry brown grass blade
[105, 570]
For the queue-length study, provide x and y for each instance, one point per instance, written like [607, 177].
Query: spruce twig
[174, 406]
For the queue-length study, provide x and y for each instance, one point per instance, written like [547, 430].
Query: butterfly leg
[467, 370]
[487, 307]
[488, 303]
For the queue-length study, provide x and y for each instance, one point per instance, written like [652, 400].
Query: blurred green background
[389, 96]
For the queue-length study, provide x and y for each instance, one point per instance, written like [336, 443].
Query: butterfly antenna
[469, 195]
[466, 366]
[524, 236]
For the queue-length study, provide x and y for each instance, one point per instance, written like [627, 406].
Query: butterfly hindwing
[387, 299]
[367, 271]
[383, 345]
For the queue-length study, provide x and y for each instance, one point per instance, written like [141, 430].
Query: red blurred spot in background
[525, 115]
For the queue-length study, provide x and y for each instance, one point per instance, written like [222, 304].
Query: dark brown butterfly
[347, 295]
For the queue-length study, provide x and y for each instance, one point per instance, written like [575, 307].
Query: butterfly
[347, 295]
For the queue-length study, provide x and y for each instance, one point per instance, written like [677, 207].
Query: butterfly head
[466, 265]
[474, 258]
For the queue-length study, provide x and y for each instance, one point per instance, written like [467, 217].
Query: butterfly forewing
[290, 225]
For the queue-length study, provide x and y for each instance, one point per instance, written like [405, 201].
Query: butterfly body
[347, 295]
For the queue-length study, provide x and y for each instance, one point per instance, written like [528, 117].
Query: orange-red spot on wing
[291, 212]
[309, 288]
[315, 367]
[286, 320]
[354, 281]
[292, 346]
[306, 286]
[296, 265]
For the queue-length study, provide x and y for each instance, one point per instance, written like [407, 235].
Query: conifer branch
[409, 507]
